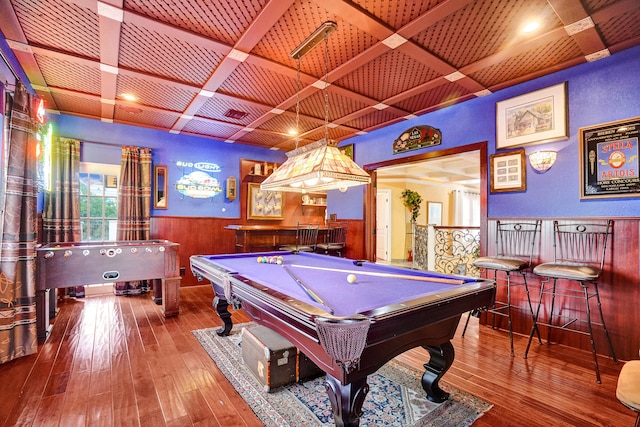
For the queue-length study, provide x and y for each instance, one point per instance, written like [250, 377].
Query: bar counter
[264, 238]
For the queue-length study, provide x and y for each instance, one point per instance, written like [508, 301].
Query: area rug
[395, 397]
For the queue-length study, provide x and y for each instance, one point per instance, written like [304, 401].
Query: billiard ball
[351, 278]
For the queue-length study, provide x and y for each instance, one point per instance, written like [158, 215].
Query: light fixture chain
[326, 87]
[298, 104]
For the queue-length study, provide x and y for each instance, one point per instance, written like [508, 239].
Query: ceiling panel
[59, 25]
[165, 56]
[442, 95]
[77, 105]
[220, 20]
[147, 118]
[189, 62]
[155, 93]
[521, 65]
[385, 70]
[60, 73]
[258, 84]
[208, 127]
[621, 28]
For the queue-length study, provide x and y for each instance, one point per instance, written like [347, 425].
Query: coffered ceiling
[222, 69]
[460, 170]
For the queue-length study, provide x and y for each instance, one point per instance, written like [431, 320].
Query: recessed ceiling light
[530, 27]
[129, 97]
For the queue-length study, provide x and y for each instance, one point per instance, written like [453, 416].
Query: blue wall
[598, 92]
[168, 149]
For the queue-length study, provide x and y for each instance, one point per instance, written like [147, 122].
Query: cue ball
[351, 278]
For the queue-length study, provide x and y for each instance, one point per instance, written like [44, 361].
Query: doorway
[383, 226]
[461, 167]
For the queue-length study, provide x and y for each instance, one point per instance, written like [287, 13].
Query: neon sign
[40, 113]
[199, 184]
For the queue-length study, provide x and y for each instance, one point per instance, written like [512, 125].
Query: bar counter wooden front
[265, 238]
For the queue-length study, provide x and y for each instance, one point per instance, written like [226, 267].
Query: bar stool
[515, 244]
[628, 389]
[579, 251]
[336, 239]
[306, 239]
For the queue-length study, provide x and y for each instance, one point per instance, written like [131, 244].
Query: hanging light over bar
[319, 166]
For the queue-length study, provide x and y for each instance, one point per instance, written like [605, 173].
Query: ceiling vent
[235, 114]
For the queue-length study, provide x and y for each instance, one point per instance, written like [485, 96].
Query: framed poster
[262, 204]
[508, 171]
[609, 163]
[434, 213]
[539, 116]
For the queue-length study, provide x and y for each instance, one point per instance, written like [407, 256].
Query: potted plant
[412, 200]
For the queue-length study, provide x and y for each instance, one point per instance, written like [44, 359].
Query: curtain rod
[110, 145]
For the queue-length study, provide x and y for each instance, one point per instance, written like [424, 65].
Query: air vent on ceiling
[235, 114]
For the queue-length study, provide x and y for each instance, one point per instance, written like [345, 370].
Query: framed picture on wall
[535, 117]
[508, 171]
[610, 160]
[263, 204]
[434, 213]
[347, 150]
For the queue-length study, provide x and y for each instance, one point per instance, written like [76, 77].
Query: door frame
[371, 190]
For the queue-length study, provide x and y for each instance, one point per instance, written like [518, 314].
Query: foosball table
[64, 265]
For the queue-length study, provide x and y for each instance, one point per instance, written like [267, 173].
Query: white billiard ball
[351, 278]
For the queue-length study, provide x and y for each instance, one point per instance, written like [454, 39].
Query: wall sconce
[542, 160]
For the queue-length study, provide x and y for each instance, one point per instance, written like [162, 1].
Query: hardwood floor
[115, 361]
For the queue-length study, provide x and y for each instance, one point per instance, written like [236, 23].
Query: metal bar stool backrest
[516, 239]
[335, 240]
[307, 237]
[581, 243]
[337, 233]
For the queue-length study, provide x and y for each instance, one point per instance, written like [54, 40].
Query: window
[98, 201]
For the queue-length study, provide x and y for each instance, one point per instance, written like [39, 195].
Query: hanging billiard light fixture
[318, 166]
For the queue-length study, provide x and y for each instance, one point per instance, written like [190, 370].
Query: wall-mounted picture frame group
[508, 171]
[535, 117]
[610, 159]
[262, 204]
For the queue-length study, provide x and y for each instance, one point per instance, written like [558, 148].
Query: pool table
[349, 330]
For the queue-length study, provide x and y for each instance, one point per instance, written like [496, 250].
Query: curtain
[134, 204]
[61, 213]
[466, 208]
[19, 231]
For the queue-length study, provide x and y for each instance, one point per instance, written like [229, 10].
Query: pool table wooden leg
[222, 308]
[440, 361]
[346, 400]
